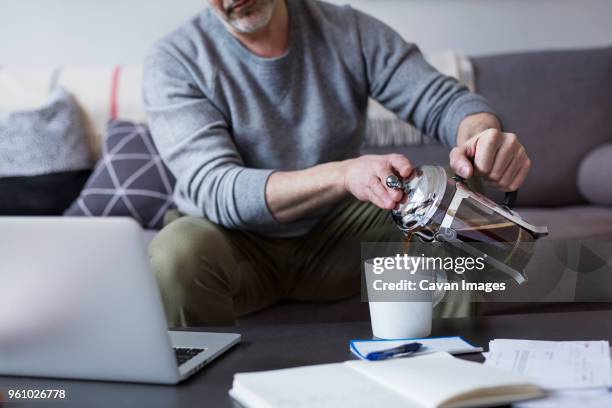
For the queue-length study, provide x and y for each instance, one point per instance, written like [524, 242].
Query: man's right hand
[364, 177]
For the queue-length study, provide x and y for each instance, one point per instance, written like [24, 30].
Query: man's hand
[364, 177]
[497, 156]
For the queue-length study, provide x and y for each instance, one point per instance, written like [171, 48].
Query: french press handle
[509, 199]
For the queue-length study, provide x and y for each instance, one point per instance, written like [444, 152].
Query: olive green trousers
[209, 275]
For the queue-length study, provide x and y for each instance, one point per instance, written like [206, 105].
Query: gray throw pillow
[42, 141]
[130, 179]
[594, 176]
[44, 157]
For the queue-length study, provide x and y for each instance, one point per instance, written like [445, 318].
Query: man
[258, 107]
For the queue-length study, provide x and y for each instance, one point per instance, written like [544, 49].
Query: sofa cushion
[129, 180]
[559, 104]
[44, 159]
[44, 140]
[47, 194]
[594, 178]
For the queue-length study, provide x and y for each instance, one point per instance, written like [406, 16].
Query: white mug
[403, 319]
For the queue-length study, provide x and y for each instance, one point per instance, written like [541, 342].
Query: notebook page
[323, 386]
[433, 378]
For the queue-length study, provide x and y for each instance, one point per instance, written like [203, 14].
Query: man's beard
[250, 18]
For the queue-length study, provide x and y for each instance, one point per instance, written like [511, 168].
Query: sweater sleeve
[402, 81]
[194, 140]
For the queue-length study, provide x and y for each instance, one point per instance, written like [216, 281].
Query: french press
[439, 208]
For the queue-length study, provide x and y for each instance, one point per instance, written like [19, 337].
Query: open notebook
[433, 380]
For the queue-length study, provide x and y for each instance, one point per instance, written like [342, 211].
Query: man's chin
[253, 19]
[249, 27]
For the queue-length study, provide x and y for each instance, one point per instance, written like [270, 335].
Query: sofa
[558, 102]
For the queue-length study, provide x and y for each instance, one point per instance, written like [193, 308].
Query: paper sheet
[572, 399]
[452, 345]
[555, 365]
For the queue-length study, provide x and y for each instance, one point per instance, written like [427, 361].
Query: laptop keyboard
[185, 354]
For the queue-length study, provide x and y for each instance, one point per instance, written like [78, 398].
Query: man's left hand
[498, 157]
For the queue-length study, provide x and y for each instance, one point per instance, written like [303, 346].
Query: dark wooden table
[282, 346]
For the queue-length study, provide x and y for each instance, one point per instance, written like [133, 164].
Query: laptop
[78, 300]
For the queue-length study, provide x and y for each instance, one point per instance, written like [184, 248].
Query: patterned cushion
[129, 180]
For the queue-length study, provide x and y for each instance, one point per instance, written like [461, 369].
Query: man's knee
[186, 257]
[175, 248]
[189, 251]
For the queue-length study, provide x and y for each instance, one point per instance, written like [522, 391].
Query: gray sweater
[224, 119]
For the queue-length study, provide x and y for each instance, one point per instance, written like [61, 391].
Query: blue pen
[404, 350]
